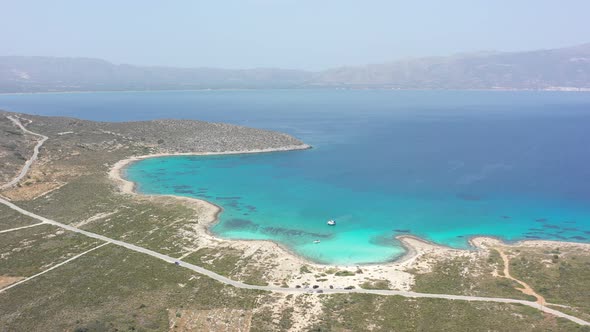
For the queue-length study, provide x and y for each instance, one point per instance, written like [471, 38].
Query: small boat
[331, 222]
[316, 241]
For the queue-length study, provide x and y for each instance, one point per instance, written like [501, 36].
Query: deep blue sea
[441, 165]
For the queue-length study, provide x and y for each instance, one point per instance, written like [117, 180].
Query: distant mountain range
[555, 69]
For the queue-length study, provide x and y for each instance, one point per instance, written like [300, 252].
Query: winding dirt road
[238, 284]
[526, 289]
[29, 162]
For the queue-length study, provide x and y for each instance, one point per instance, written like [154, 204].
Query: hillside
[44, 74]
[563, 68]
[566, 67]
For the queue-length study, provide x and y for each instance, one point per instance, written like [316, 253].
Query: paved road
[29, 162]
[238, 284]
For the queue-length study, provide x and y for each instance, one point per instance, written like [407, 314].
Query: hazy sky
[308, 34]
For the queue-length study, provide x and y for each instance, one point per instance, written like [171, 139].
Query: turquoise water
[444, 166]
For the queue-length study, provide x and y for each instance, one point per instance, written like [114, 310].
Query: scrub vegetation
[560, 274]
[11, 219]
[356, 312]
[468, 276]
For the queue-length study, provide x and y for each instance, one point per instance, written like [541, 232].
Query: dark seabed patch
[293, 232]
[578, 237]
[185, 191]
[557, 236]
[541, 220]
[531, 237]
[228, 197]
[505, 217]
[551, 226]
[233, 204]
[240, 224]
[383, 240]
[571, 229]
[401, 230]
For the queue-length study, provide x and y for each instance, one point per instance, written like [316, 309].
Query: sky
[298, 34]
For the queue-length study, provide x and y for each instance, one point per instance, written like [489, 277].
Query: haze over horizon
[284, 34]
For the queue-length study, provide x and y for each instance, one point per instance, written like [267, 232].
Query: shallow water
[444, 166]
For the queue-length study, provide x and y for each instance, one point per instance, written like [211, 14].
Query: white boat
[316, 241]
[331, 222]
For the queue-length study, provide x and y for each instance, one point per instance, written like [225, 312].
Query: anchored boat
[331, 222]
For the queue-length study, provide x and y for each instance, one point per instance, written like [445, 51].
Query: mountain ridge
[563, 68]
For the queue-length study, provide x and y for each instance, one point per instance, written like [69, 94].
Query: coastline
[414, 246]
[212, 210]
[128, 187]
[283, 266]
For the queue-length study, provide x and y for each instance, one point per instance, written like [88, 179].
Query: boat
[316, 241]
[331, 222]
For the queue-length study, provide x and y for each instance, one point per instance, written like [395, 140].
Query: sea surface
[441, 165]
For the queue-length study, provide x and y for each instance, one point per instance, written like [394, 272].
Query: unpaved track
[51, 268]
[238, 284]
[29, 162]
[19, 228]
[526, 289]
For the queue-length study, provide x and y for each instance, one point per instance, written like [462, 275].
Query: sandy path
[29, 162]
[51, 268]
[526, 289]
[19, 228]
